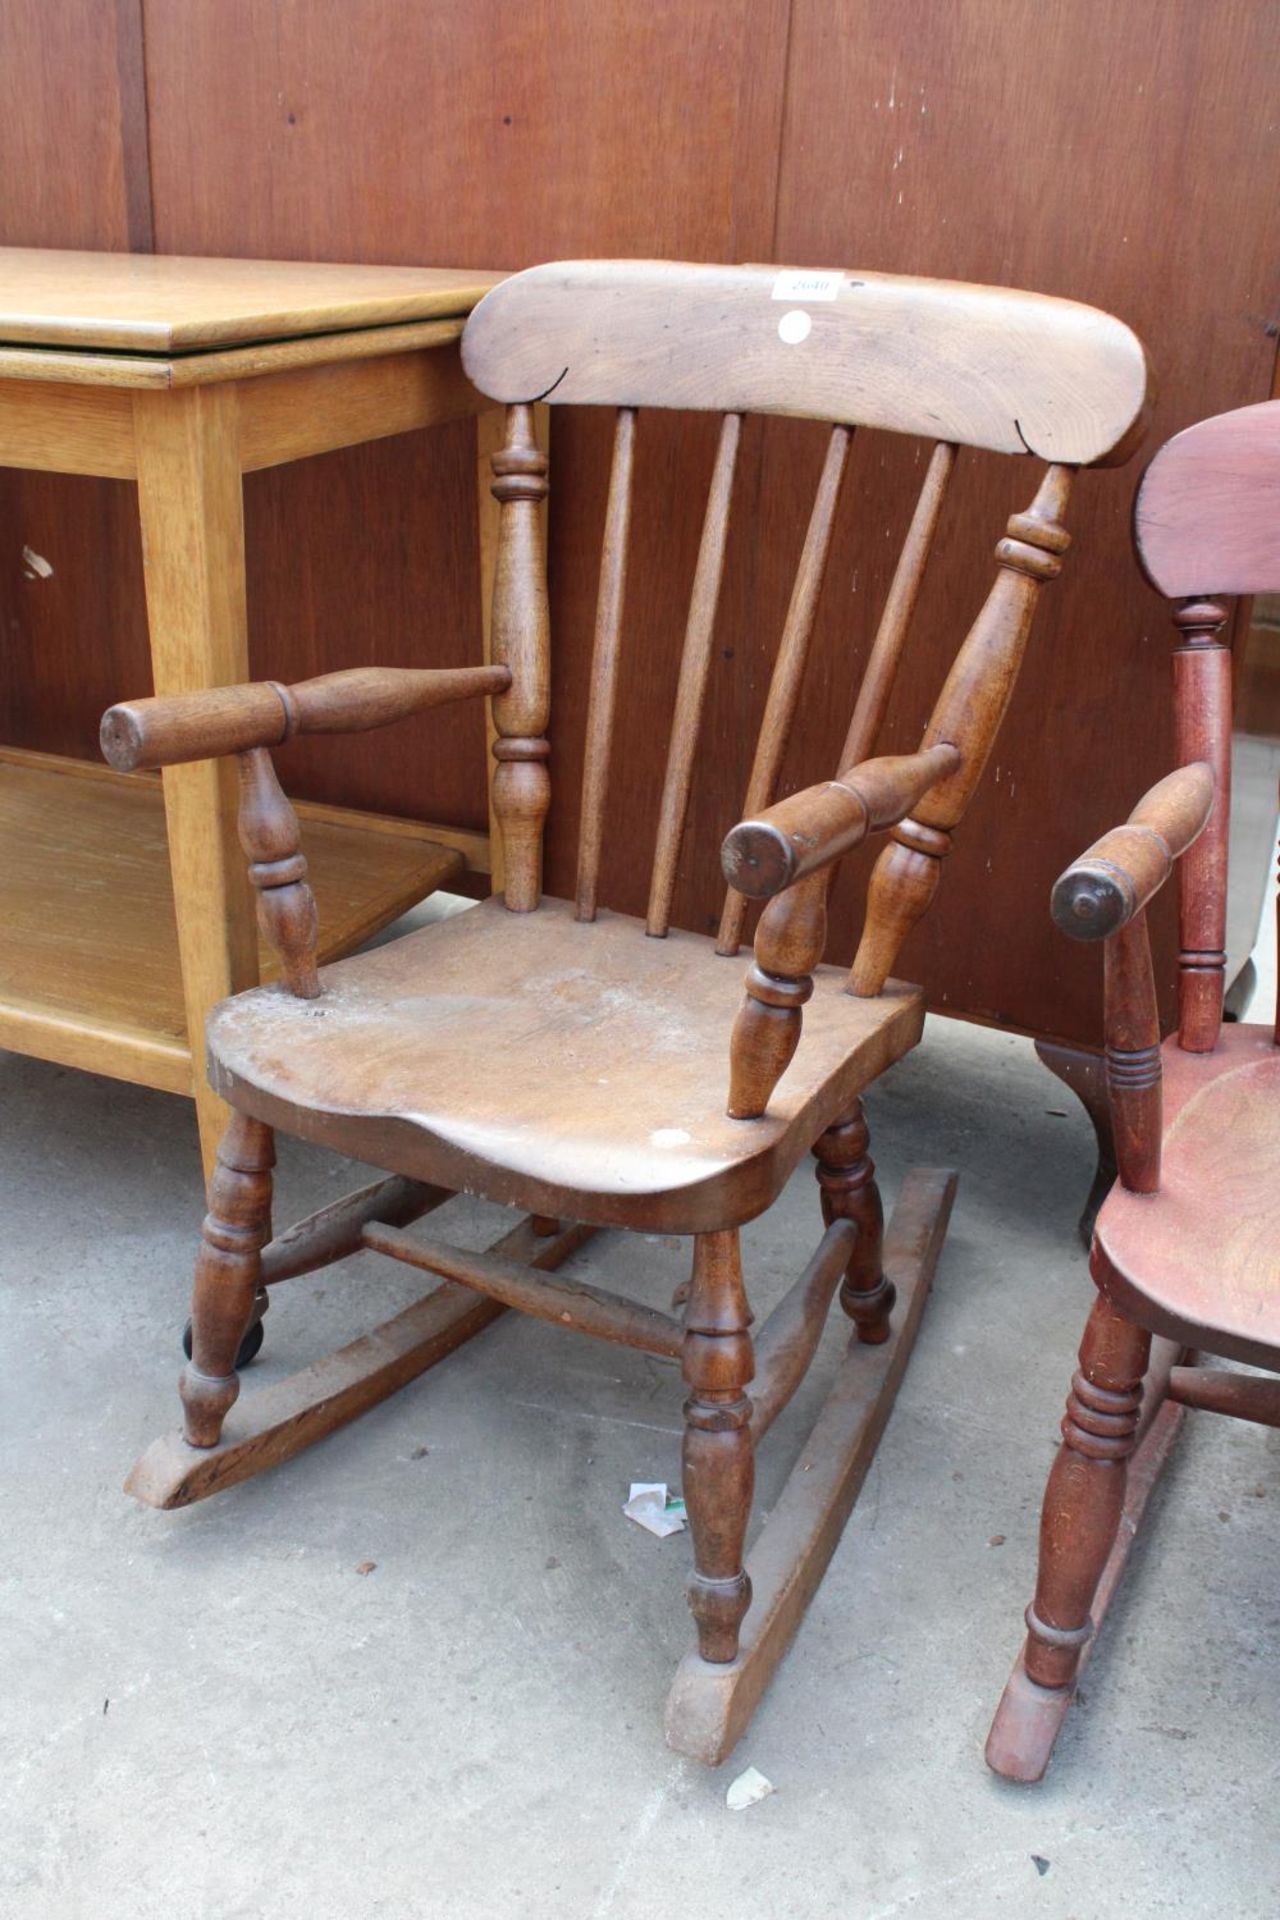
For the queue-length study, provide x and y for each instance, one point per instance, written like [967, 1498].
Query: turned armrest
[1102, 897]
[248, 721]
[1104, 889]
[810, 830]
[170, 728]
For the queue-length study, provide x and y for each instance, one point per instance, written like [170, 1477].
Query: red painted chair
[1186, 1253]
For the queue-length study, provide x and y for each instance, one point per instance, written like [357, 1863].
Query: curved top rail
[982, 366]
[1207, 515]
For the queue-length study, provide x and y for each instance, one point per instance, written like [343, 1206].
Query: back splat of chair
[1008, 372]
[1186, 1251]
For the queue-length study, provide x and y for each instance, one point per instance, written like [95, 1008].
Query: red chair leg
[1078, 1525]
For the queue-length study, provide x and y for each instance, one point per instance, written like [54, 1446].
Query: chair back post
[967, 715]
[521, 641]
[1202, 723]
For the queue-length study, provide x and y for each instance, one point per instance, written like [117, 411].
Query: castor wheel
[250, 1346]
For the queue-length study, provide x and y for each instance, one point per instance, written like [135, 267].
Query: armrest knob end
[1092, 900]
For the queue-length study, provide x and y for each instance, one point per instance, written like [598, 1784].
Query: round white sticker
[794, 326]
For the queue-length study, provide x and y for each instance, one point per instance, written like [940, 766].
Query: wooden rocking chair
[573, 1062]
[1186, 1251]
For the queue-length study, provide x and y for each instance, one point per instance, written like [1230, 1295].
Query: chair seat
[1200, 1259]
[573, 1069]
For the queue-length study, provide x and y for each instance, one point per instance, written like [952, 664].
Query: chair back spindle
[895, 622]
[605, 656]
[792, 658]
[695, 668]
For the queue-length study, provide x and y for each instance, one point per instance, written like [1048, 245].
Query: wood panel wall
[1122, 155]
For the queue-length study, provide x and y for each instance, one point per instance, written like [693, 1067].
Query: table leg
[190, 502]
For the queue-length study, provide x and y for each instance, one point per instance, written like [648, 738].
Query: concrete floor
[213, 1715]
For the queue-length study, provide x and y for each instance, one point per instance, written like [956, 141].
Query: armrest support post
[271, 838]
[788, 946]
[1133, 1056]
[788, 855]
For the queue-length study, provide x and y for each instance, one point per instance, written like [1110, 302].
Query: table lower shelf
[89, 970]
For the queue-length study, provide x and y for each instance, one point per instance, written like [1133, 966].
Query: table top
[165, 304]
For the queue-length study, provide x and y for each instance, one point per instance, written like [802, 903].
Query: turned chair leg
[719, 1462]
[847, 1177]
[228, 1276]
[1085, 1495]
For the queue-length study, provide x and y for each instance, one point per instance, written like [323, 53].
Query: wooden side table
[184, 375]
